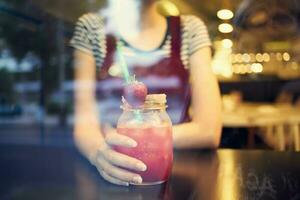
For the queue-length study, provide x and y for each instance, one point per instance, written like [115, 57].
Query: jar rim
[152, 107]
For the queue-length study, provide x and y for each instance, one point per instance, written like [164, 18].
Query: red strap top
[168, 70]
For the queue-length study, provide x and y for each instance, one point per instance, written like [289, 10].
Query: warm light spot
[259, 57]
[266, 57]
[221, 62]
[244, 69]
[246, 57]
[225, 28]
[167, 8]
[232, 56]
[239, 57]
[257, 67]
[238, 68]
[225, 14]
[227, 43]
[286, 56]
[249, 68]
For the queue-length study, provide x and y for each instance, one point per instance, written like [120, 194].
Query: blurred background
[256, 47]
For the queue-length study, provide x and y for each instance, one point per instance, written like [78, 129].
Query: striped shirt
[89, 36]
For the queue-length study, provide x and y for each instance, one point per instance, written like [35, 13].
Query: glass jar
[151, 127]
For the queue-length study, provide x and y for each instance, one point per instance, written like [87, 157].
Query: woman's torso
[163, 70]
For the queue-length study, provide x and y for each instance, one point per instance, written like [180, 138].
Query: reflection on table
[41, 172]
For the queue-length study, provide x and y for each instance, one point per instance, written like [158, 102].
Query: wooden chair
[294, 123]
[272, 131]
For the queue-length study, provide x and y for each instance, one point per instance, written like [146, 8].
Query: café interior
[255, 47]
[255, 58]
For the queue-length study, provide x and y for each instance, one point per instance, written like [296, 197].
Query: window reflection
[255, 43]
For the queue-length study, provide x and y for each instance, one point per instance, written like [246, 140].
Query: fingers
[117, 173]
[120, 140]
[123, 160]
[113, 138]
[112, 179]
[108, 161]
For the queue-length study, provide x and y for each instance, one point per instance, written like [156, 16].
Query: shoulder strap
[175, 30]
[109, 57]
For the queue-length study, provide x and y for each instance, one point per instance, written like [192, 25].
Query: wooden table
[48, 172]
[253, 115]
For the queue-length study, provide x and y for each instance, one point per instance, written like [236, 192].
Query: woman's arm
[87, 130]
[204, 131]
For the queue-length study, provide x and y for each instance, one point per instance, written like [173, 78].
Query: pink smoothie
[154, 148]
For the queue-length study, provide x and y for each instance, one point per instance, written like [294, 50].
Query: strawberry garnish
[135, 93]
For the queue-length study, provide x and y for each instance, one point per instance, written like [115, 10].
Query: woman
[179, 45]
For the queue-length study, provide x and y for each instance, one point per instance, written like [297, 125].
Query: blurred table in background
[272, 117]
[57, 172]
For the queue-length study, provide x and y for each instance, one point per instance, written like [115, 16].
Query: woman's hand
[112, 165]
